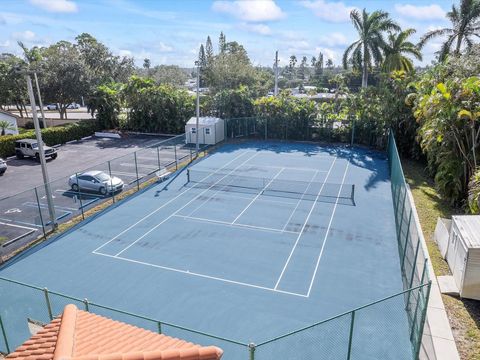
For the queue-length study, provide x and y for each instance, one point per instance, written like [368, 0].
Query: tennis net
[295, 189]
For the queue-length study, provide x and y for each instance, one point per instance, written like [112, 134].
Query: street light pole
[40, 100]
[197, 145]
[275, 92]
[46, 181]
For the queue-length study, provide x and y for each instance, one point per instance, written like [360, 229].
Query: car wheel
[54, 156]
[19, 155]
[75, 187]
[103, 190]
[37, 157]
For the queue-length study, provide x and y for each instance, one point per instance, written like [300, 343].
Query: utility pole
[275, 92]
[197, 133]
[40, 100]
[46, 181]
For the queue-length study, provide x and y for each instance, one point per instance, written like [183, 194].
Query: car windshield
[102, 177]
[34, 145]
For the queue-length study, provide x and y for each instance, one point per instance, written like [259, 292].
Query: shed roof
[204, 120]
[80, 335]
[469, 226]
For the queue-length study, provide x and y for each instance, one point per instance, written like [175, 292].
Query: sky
[171, 31]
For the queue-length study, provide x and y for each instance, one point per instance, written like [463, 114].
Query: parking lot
[24, 212]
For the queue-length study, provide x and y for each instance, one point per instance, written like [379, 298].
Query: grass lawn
[464, 315]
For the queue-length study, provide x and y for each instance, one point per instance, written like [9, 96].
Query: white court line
[328, 230]
[183, 207]
[303, 226]
[300, 200]
[229, 195]
[288, 167]
[164, 204]
[252, 227]
[18, 226]
[256, 197]
[201, 275]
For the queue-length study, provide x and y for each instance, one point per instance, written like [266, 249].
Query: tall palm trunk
[365, 67]
[459, 43]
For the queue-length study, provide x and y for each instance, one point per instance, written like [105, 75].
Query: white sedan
[96, 181]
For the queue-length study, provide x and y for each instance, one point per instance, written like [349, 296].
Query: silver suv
[29, 147]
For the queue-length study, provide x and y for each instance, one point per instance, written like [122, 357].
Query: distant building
[12, 119]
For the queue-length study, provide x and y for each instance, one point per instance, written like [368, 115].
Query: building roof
[469, 226]
[80, 335]
[9, 113]
[204, 120]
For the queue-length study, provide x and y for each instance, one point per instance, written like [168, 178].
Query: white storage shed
[211, 130]
[463, 254]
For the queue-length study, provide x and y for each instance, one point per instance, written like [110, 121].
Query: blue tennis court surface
[258, 239]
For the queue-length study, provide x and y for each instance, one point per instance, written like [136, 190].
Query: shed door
[452, 246]
[460, 262]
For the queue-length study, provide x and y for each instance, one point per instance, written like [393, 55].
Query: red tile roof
[80, 335]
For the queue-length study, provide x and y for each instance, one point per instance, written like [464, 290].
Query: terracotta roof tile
[79, 335]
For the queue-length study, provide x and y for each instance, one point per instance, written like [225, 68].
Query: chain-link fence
[27, 217]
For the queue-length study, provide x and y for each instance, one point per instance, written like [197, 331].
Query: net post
[422, 320]
[159, 327]
[80, 197]
[188, 175]
[353, 194]
[4, 334]
[251, 349]
[87, 305]
[136, 170]
[40, 213]
[110, 173]
[49, 305]
[350, 336]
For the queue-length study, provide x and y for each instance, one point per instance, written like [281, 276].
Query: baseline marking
[303, 226]
[162, 206]
[184, 206]
[200, 275]
[328, 230]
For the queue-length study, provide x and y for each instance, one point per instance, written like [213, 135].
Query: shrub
[474, 193]
[51, 136]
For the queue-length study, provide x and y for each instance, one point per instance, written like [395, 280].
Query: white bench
[163, 175]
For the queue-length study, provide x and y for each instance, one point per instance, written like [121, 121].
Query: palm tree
[5, 125]
[465, 26]
[395, 48]
[368, 47]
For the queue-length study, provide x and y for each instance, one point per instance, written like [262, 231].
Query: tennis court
[252, 242]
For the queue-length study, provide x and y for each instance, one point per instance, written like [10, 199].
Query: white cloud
[329, 11]
[328, 54]
[61, 6]
[26, 35]
[261, 29]
[334, 39]
[162, 47]
[427, 12]
[254, 10]
[6, 43]
[123, 52]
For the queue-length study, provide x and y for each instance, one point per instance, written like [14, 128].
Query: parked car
[29, 148]
[3, 166]
[96, 181]
[52, 107]
[73, 106]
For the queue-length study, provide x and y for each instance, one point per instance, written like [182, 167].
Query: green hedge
[51, 136]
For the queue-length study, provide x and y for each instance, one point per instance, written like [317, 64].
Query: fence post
[406, 240]
[4, 335]
[350, 338]
[49, 305]
[136, 170]
[40, 213]
[87, 308]
[159, 324]
[158, 159]
[251, 349]
[110, 173]
[399, 231]
[413, 272]
[175, 151]
[422, 321]
[79, 197]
